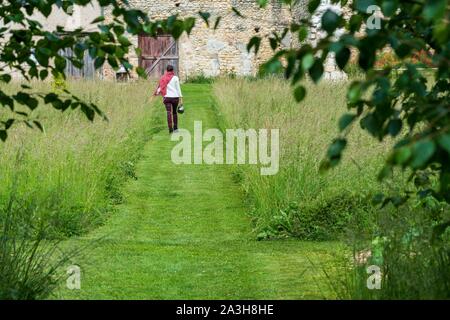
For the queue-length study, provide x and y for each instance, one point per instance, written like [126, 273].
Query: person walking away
[169, 88]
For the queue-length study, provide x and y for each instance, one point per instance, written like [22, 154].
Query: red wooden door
[157, 53]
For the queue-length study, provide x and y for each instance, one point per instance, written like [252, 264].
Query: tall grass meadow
[66, 180]
[299, 201]
[73, 171]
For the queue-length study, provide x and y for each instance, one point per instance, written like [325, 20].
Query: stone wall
[206, 51]
[332, 72]
[221, 51]
[81, 17]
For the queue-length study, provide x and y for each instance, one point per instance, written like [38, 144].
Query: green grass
[73, 172]
[299, 201]
[183, 233]
[149, 229]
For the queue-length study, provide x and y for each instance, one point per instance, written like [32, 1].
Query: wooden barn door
[157, 53]
[88, 70]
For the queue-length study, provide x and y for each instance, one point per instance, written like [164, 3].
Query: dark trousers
[171, 108]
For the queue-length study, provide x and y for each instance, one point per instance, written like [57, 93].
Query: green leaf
[290, 66]
[362, 5]
[138, 51]
[444, 142]
[366, 57]
[45, 51]
[403, 50]
[99, 62]
[32, 103]
[127, 65]
[302, 33]
[124, 41]
[336, 46]
[50, 97]
[336, 148]
[330, 21]
[205, 16]
[3, 135]
[434, 9]
[439, 230]
[119, 29]
[377, 199]
[98, 19]
[355, 22]
[6, 100]
[262, 3]
[273, 43]
[177, 29]
[422, 152]
[402, 155]
[273, 66]
[371, 124]
[385, 172]
[8, 123]
[38, 125]
[394, 127]
[316, 71]
[88, 112]
[216, 24]
[27, 100]
[441, 31]
[307, 61]
[95, 37]
[189, 23]
[60, 63]
[113, 62]
[43, 74]
[324, 166]
[141, 72]
[44, 8]
[389, 7]
[41, 58]
[313, 5]
[345, 121]
[299, 93]
[254, 42]
[354, 92]
[294, 27]
[237, 12]
[342, 57]
[5, 78]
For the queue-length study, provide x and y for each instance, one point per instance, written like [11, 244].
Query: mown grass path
[183, 233]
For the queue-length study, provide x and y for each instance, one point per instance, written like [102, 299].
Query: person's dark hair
[169, 68]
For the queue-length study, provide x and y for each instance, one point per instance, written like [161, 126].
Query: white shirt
[173, 88]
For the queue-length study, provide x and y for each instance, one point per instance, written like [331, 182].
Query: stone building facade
[80, 17]
[206, 51]
[211, 52]
[222, 51]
